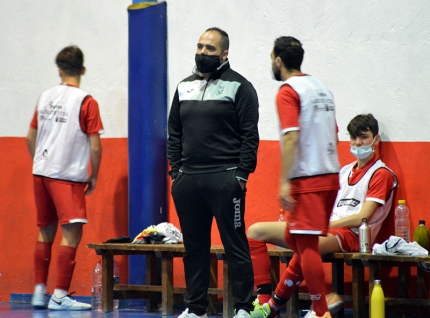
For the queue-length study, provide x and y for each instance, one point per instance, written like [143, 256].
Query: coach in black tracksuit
[212, 148]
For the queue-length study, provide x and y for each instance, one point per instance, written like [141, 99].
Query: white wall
[31, 35]
[373, 55]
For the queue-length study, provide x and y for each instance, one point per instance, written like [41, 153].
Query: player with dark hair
[63, 137]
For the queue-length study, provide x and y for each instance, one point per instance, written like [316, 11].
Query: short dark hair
[290, 51]
[225, 42]
[362, 123]
[70, 60]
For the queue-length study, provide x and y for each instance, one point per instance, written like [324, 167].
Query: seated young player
[366, 192]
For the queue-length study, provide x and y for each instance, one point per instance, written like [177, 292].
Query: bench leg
[404, 277]
[274, 271]
[422, 290]
[167, 285]
[151, 279]
[293, 305]
[107, 281]
[213, 283]
[358, 302]
[337, 274]
[228, 303]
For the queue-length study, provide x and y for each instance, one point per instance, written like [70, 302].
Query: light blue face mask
[362, 152]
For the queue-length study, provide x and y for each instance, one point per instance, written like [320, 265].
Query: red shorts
[312, 212]
[58, 200]
[347, 239]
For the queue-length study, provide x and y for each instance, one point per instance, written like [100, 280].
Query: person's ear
[224, 56]
[377, 140]
[83, 70]
[278, 62]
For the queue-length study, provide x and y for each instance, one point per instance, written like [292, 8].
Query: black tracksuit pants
[198, 199]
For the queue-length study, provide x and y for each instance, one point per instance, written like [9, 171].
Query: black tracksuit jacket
[213, 124]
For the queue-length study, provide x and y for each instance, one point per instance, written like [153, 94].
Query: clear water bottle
[96, 289]
[281, 215]
[115, 281]
[402, 224]
[377, 301]
[364, 236]
[281, 219]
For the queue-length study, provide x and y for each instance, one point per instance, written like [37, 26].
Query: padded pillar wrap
[147, 122]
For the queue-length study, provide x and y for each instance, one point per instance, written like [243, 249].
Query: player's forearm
[96, 155]
[31, 141]
[351, 221]
[289, 145]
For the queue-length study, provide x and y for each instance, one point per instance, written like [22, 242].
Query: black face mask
[207, 63]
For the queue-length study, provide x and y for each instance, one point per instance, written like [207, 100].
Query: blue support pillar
[147, 122]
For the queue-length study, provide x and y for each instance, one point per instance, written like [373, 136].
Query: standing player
[64, 135]
[309, 178]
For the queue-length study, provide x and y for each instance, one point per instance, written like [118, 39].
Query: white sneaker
[186, 314]
[312, 314]
[69, 314]
[38, 300]
[66, 303]
[242, 314]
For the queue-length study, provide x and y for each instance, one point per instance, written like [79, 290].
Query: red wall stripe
[107, 207]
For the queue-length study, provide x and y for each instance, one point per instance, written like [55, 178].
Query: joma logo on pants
[237, 218]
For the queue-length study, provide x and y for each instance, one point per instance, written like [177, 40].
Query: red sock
[274, 308]
[65, 266]
[42, 259]
[291, 279]
[313, 272]
[305, 264]
[260, 262]
[263, 298]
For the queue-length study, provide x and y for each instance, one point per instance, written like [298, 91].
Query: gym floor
[17, 310]
[25, 310]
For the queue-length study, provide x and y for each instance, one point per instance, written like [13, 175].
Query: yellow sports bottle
[377, 301]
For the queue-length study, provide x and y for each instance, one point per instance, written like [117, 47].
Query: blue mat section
[147, 123]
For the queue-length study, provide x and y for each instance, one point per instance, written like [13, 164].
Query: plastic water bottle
[115, 281]
[281, 219]
[421, 235]
[281, 215]
[364, 236]
[377, 301]
[96, 290]
[402, 224]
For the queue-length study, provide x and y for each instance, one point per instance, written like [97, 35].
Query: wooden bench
[359, 261]
[167, 252]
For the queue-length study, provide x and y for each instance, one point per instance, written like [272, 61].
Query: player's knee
[72, 234]
[255, 231]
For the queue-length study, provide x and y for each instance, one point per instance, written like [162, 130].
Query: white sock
[60, 293]
[40, 288]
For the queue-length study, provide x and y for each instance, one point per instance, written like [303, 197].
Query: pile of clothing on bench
[163, 233]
